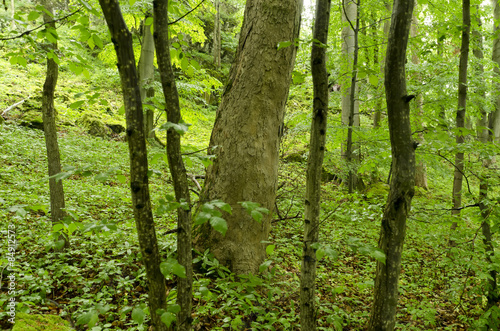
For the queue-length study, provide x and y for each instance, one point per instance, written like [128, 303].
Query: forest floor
[100, 279]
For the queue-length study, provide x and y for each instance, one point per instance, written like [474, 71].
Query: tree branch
[186, 14]
[27, 32]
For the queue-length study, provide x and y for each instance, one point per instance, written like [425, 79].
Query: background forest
[87, 269]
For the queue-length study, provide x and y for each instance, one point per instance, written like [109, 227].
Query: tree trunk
[460, 119]
[217, 35]
[484, 132]
[421, 169]
[392, 234]
[353, 109]
[176, 165]
[377, 118]
[495, 116]
[314, 166]
[348, 88]
[246, 135]
[146, 74]
[141, 203]
[57, 203]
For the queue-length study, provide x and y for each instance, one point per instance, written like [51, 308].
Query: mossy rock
[32, 119]
[296, 157]
[94, 126]
[26, 322]
[378, 189]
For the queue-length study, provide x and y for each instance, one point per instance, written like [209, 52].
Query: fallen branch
[13, 106]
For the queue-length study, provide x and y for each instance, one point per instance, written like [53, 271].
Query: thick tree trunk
[57, 203]
[146, 75]
[392, 234]
[246, 135]
[141, 203]
[460, 119]
[217, 36]
[421, 169]
[314, 166]
[176, 164]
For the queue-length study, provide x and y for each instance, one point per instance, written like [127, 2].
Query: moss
[26, 322]
[32, 119]
[378, 189]
[94, 126]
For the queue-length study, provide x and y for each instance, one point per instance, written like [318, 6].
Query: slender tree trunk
[141, 202]
[247, 132]
[57, 203]
[352, 179]
[217, 35]
[495, 116]
[176, 164]
[146, 75]
[421, 169]
[460, 119]
[485, 134]
[314, 166]
[349, 86]
[378, 111]
[392, 234]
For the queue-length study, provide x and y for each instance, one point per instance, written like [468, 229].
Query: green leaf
[148, 21]
[33, 15]
[174, 308]
[256, 215]
[270, 249]
[219, 224]
[185, 64]
[22, 61]
[319, 254]
[373, 79]
[265, 265]
[379, 255]
[180, 127]
[57, 227]
[97, 41]
[171, 266]
[283, 44]
[202, 218]
[76, 104]
[168, 318]
[297, 77]
[222, 205]
[121, 178]
[132, 2]
[138, 315]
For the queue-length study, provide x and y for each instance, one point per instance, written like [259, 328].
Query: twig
[193, 178]
[27, 32]
[13, 106]
[186, 14]
[453, 164]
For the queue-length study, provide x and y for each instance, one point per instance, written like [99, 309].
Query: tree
[139, 183]
[402, 187]
[176, 165]
[246, 134]
[460, 118]
[350, 104]
[495, 117]
[315, 166]
[57, 203]
[145, 70]
[217, 36]
[421, 169]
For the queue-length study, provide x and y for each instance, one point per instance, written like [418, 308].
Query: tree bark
[315, 166]
[217, 36]
[145, 70]
[460, 119]
[485, 134]
[353, 110]
[349, 86]
[246, 135]
[141, 203]
[176, 164]
[421, 169]
[392, 234]
[495, 116]
[377, 118]
[57, 203]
